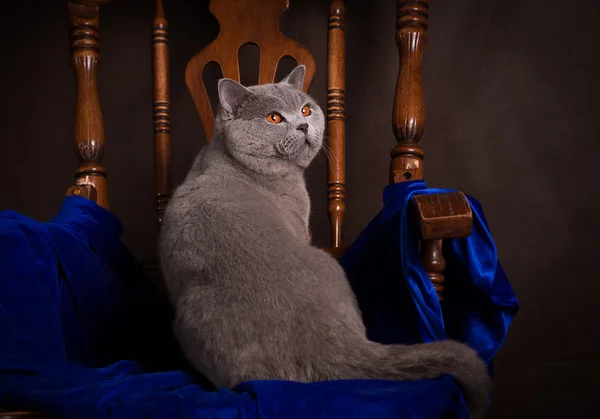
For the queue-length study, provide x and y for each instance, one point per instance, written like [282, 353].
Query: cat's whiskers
[327, 150]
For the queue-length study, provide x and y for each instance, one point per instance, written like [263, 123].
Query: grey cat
[253, 298]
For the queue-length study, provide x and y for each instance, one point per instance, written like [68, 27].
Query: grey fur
[253, 298]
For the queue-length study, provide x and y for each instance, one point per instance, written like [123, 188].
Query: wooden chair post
[335, 121]
[162, 111]
[440, 216]
[88, 132]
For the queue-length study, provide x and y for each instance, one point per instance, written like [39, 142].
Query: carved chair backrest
[244, 22]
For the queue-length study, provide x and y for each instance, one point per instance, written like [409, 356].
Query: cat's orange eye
[274, 118]
[305, 110]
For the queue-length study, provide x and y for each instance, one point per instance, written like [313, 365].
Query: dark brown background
[512, 105]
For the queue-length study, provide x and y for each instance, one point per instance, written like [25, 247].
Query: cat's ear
[231, 94]
[296, 77]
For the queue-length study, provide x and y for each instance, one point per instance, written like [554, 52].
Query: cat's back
[211, 184]
[211, 204]
[208, 220]
[212, 191]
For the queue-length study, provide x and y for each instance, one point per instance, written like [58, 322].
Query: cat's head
[270, 128]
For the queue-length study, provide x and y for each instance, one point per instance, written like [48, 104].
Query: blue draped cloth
[84, 334]
[397, 299]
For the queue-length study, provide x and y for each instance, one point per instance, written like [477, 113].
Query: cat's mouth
[311, 142]
[291, 148]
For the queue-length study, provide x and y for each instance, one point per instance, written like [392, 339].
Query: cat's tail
[429, 361]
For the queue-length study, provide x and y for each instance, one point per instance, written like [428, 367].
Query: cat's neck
[216, 160]
[287, 191]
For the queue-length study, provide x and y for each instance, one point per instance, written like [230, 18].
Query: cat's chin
[268, 165]
[301, 156]
[303, 160]
[313, 143]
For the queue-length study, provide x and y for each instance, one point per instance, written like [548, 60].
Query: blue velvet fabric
[83, 334]
[396, 297]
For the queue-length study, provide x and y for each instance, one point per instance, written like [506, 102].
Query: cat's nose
[303, 127]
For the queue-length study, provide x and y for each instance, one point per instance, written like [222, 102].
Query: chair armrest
[440, 216]
[443, 216]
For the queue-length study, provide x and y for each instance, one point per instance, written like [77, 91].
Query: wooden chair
[441, 216]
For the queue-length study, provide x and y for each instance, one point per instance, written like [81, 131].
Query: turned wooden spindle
[434, 263]
[88, 132]
[409, 117]
[335, 121]
[442, 215]
[162, 111]
[409, 108]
